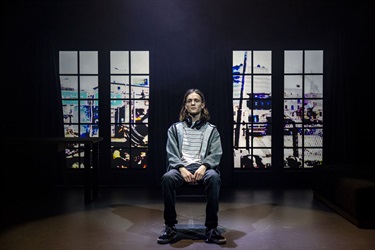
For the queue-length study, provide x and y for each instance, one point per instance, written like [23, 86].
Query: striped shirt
[192, 145]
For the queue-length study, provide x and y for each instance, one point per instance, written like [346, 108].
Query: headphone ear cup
[198, 124]
[188, 121]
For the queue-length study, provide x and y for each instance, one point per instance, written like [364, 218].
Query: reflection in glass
[120, 158]
[313, 86]
[314, 62]
[246, 140]
[74, 156]
[120, 111]
[71, 130]
[313, 137]
[70, 111]
[119, 62]
[89, 130]
[89, 87]
[139, 158]
[69, 87]
[262, 85]
[293, 62]
[88, 62]
[119, 87]
[262, 157]
[240, 59]
[313, 157]
[292, 134]
[313, 111]
[293, 158]
[79, 94]
[120, 133]
[292, 86]
[262, 62]
[140, 87]
[129, 95]
[89, 111]
[303, 109]
[252, 105]
[139, 62]
[243, 84]
[293, 110]
[68, 62]
[252, 159]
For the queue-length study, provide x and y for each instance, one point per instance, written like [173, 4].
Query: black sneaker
[214, 236]
[169, 234]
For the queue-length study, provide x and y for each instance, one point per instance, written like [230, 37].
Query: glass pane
[292, 86]
[314, 61]
[69, 87]
[88, 62]
[292, 135]
[313, 86]
[140, 87]
[119, 87]
[313, 157]
[119, 62]
[71, 130]
[293, 110]
[314, 111]
[120, 158]
[240, 58]
[261, 157]
[89, 111]
[242, 158]
[303, 115]
[292, 158]
[139, 62]
[313, 137]
[120, 111]
[241, 114]
[120, 133]
[293, 62]
[262, 85]
[70, 111]
[141, 111]
[262, 62]
[242, 133]
[89, 88]
[243, 85]
[68, 62]
[139, 158]
[139, 135]
[89, 130]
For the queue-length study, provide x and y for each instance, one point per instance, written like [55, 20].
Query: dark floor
[132, 218]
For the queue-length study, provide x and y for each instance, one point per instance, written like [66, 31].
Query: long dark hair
[205, 115]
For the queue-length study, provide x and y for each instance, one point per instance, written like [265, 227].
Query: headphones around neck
[198, 124]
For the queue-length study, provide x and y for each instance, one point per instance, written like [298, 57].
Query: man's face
[194, 104]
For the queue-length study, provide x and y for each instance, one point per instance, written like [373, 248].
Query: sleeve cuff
[178, 166]
[207, 165]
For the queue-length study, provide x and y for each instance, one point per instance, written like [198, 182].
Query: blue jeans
[172, 179]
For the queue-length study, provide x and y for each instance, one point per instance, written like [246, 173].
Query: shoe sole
[167, 241]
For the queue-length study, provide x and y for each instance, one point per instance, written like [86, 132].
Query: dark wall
[190, 43]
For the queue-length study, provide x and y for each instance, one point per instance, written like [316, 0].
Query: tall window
[303, 108]
[130, 84]
[252, 117]
[79, 90]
